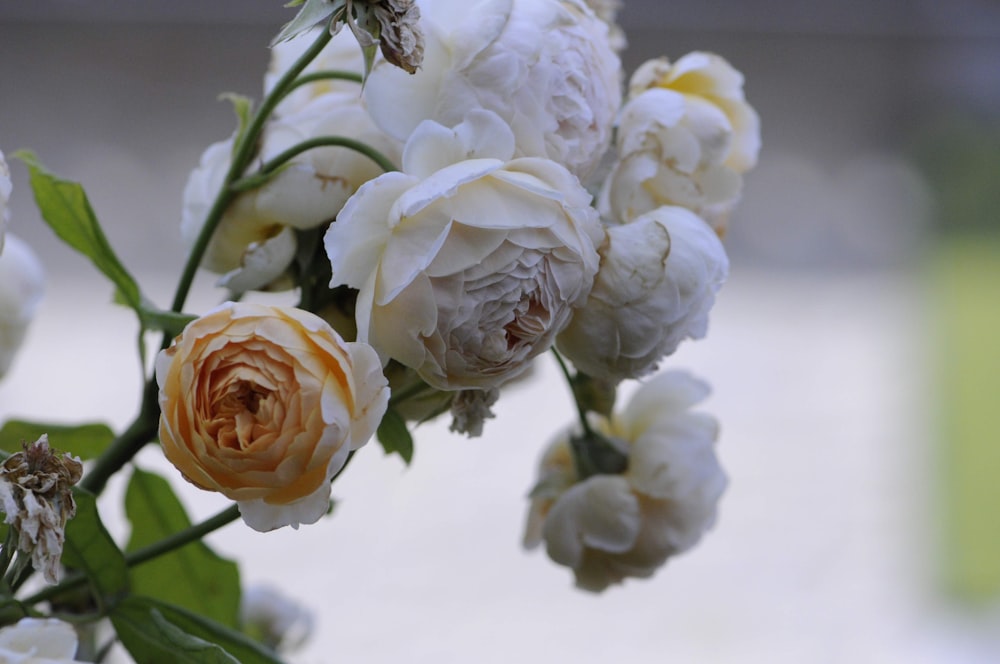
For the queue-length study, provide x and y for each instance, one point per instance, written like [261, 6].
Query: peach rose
[263, 404]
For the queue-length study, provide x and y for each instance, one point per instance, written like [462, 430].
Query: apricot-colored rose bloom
[263, 404]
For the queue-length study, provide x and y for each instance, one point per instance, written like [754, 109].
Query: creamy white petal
[42, 640]
[546, 67]
[22, 284]
[656, 285]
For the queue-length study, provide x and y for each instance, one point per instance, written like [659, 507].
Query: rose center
[528, 324]
[243, 396]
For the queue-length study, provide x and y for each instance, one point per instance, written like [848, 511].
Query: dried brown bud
[470, 409]
[400, 38]
[36, 495]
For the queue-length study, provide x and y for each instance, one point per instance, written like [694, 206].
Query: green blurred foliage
[960, 157]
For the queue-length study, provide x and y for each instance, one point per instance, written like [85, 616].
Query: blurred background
[854, 352]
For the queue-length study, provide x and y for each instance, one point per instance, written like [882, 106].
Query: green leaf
[86, 441]
[394, 436]
[11, 611]
[171, 322]
[152, 317]
[90, 549]
[65, 208]
[151, 637]
[237, 644]
[312, 12]
[193, 576]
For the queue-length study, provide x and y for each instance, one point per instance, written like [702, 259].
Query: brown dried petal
[36, 495]
[401, 40]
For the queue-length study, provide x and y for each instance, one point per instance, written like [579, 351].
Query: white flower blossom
[38, 641]
[685, 137]
[5, 188]
[21, 287]
[255, 243]
[340, 54]
[609, 527]
[468, 263]
[274, 619]
[711, 79]
[545, 66]
[671, 151]
[607, 11]
[657, 282]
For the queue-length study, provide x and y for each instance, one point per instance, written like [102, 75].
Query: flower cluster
[487, 191]
[482, 247]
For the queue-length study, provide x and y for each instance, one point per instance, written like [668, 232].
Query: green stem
[411, 391]
[19, 572]
[7, 553]
[325, 75]
[587, 431]
[139, 556]
[323, 141]
[142, 430]
[242, 155]
[186, 536]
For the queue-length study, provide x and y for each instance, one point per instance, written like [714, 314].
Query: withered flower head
[393, 25]
[36, 495]
[400, 38]
[470, 409]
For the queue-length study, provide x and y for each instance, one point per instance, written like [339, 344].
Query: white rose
[545, 66]
[38, 641]
[468, 263]
[657, 282]
[672, 150]
[5, 187]
[711, 79]
[342, 53]
[607, 11]
[254, 242]
[611, 527]
[274, 619]
[21, 285]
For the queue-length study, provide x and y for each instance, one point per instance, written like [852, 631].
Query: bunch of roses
[452, 274]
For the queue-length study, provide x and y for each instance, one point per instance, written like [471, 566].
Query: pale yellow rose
[708, 78]
[263, 404]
